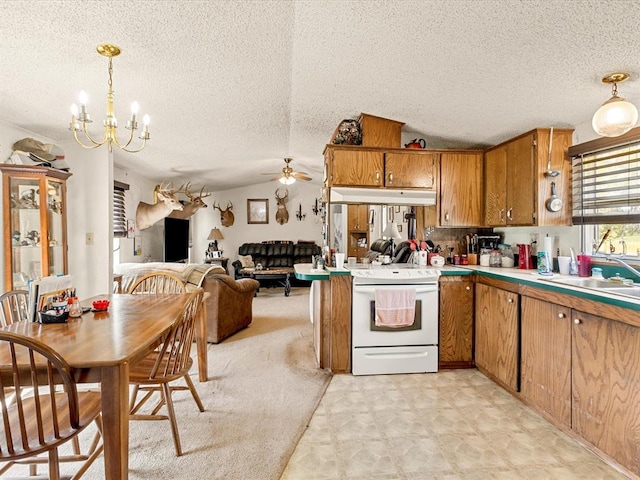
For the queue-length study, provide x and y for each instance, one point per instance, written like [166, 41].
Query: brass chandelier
[110, 123]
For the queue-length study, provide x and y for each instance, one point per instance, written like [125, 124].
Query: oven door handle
[425, 289]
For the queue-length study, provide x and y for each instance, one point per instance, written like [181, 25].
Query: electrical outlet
[89, 238]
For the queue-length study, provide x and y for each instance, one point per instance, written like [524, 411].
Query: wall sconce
[616, 116]
[299, 215]
[315, 209]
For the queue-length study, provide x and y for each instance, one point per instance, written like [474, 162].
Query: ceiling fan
[288, 176]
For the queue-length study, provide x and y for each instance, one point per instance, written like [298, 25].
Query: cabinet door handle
[577, 321]
[446, 217]
[501, 215]
[390, 177]
[467, 288]
[377, 176]
[510, 214]
[510, 300]
[561, 315]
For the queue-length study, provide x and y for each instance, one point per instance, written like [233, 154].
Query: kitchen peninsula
[571, 353]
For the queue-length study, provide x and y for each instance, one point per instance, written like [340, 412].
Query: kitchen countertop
[524, 277]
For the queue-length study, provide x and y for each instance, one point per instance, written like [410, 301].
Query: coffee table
[280, 275]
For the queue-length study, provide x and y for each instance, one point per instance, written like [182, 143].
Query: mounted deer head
[194, 204]
[282, 216]
[147, 215]
[226, 216]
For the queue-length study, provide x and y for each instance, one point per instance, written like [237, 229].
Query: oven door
[424, 330]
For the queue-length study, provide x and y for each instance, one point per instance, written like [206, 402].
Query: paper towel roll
[548, 246]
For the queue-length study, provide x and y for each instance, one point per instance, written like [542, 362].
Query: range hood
[382, 196]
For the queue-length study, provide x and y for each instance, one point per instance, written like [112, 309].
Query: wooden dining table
[100, 347]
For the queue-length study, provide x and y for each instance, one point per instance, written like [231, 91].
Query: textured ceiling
[234, 86]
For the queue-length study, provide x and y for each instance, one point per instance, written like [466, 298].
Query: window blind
[606, 185]
[119, 209]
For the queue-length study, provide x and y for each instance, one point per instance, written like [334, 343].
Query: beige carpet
[263, 388]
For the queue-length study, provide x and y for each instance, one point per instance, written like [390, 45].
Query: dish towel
[395, 308]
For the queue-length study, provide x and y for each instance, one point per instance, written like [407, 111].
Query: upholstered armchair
[229, 305]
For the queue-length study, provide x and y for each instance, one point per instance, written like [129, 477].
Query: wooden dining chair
[169, 363]
[158, 282]
[43, 418]
[14, 307]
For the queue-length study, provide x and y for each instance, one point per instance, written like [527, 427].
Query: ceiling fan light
[615, 117]
[287, 180]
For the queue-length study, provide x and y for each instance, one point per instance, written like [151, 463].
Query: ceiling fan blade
[301, 176]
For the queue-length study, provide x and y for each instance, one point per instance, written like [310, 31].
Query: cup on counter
[563, 265]
[351, 261]
[339, 261]
[584, 265]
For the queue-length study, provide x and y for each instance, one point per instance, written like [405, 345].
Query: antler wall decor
[166, 202]
[226, 216]
[282, 215]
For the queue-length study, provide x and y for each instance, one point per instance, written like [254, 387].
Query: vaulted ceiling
[232, 87]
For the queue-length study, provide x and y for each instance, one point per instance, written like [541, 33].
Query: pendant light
[616, 116]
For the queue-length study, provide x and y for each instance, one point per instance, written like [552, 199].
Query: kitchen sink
[587, 282]
[602, 285]
[631, 290]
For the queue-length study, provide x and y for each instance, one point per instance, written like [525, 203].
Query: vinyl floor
[452, 425]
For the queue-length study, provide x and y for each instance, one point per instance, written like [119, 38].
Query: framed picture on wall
[257, 210]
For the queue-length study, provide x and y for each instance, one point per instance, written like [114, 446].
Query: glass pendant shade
[615, 117]
[287, 180]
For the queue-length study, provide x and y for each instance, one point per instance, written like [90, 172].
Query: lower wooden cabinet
[545, 378]
[498, 334]
[606, 386]
[456, 322]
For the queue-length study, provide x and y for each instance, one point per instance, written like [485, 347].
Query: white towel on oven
[395, 307]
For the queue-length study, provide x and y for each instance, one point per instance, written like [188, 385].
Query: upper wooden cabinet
[35, 223]
[355, 166]
[515, 185]
[460, 203]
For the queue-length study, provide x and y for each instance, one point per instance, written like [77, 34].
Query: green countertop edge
[618, 302]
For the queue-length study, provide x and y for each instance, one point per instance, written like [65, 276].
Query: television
[176, 240]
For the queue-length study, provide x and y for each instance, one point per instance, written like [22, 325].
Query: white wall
[300, 192]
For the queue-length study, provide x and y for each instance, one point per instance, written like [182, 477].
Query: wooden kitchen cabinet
[357, 230]
[545, 378]
[456, 322]
[606, 386]
[410, 170]
[461, 188]
[354, 166]
[497, 334]
[515, 185]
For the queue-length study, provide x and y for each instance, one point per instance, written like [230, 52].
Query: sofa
[228, 302]
[274, 254]
[400, 254]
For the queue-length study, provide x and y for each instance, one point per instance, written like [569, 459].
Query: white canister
[422, 257]
[437, 261]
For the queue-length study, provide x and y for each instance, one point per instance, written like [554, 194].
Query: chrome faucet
[625, 265]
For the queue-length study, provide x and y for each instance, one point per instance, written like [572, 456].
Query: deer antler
[215, 205]
[229, 206]
[286, 194]
[202, 195]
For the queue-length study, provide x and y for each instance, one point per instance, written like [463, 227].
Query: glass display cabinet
[35, 223]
